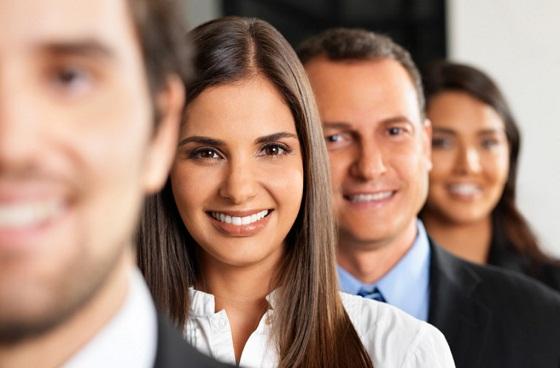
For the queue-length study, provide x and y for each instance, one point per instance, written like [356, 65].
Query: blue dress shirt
[407, 284]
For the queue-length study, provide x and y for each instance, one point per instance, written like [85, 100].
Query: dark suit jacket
[493, 318]
[502, 254]
[174, 352]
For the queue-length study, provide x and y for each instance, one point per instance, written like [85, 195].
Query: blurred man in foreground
[90, 102]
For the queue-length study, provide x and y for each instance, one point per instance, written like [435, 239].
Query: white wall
[518, 43]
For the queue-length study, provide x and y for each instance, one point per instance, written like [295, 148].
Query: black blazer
[502, 254]
[174, 352]
[493, 317]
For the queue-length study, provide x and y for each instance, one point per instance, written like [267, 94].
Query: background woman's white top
[392, 337]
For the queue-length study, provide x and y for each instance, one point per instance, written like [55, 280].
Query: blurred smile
[464, 191]
[23, 221]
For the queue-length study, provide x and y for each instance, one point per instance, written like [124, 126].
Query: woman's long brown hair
[310, 325]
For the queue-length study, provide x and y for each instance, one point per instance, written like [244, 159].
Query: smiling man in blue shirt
[371, 104]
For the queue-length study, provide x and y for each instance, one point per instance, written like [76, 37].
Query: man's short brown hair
[345, 44]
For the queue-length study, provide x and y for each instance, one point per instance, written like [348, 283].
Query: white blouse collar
[203, 304]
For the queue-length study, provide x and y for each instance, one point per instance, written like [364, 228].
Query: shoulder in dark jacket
[493, 317]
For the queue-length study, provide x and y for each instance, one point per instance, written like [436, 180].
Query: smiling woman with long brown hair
[239, 246]
[471, 208]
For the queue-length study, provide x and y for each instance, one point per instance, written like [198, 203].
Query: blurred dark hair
[507, 220]
[311, 327]
[354, 44]
[160, 26]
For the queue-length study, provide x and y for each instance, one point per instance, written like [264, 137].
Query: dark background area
[418, 25]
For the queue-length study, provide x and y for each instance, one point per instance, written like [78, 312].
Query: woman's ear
[170, 101]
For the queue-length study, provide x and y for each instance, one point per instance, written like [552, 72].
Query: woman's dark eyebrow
[491, 131]
[200, 139]
[275, 137]
[444, 130]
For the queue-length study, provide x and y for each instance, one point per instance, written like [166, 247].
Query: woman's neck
[241, 292]
[470, 241]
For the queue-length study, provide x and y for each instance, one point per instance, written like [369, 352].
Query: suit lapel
[454, 309]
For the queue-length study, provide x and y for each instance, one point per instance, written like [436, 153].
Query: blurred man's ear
[163, 144]
[427, 141]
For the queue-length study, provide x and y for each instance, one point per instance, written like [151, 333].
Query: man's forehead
[27, 23]
[363, 90]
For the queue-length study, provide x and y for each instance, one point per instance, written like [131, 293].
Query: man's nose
[19, 128]
[369, 162]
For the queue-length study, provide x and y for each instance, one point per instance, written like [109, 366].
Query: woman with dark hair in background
[471, 207]
[239, 246]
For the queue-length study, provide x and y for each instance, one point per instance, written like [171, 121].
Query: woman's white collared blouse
[391, 337]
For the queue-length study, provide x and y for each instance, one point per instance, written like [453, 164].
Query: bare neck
[470, 241]
[241, 292]
[370, 261]
[61, 343]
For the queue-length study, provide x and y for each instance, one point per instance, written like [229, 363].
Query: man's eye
[333, 138]
[338, 140]
[73, 79]
[395, 131]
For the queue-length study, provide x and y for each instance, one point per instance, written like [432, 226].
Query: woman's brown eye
[439, 142]
[275, 150]
[204, 153]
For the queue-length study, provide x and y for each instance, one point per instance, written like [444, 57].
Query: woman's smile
[240, 223]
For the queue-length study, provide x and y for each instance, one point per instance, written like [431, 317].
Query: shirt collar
[203, 304]
[130, 337]
[406, 285]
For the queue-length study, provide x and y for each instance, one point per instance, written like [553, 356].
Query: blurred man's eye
[333, 138]
[395, 131]
[71, 80]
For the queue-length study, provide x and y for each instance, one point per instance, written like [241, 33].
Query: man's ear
[427, 144]
[163, 143]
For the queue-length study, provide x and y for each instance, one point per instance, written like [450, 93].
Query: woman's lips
[246, 223]
[464, 191]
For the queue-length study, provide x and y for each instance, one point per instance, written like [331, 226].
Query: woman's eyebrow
[202, 140]
[444, 130]
[274, 137]
[491, 131]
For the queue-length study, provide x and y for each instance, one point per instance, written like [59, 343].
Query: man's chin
[36, 308]
[25, 324]
[366, 237]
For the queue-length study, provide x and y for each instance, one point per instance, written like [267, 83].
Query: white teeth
[464, 189]
[370, 197]
[239, 221]
[20, 215]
